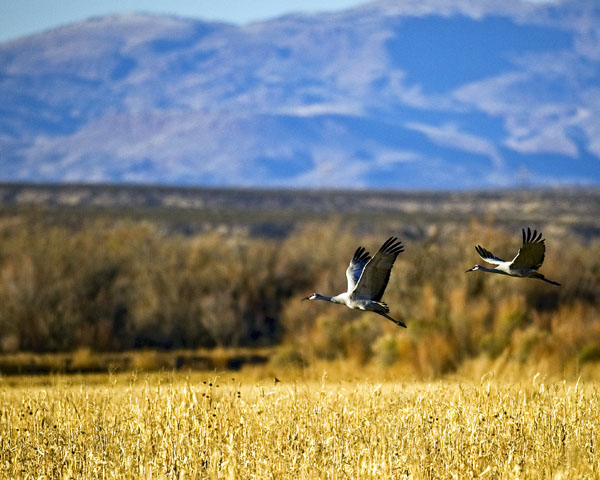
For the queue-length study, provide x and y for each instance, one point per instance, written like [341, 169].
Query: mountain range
[413, 94]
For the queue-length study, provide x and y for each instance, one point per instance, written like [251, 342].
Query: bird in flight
[367, 278]
[525, 264]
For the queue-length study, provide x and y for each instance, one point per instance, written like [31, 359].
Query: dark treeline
[112, 286]
[115, 287]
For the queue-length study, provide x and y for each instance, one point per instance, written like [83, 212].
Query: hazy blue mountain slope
[391, 94]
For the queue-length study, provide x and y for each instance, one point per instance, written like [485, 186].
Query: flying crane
[367, 279]
[525, 264]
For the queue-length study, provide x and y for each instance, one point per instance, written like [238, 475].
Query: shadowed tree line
[112, 286]
[127, 286]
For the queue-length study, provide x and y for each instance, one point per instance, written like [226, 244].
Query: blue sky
[24, 17]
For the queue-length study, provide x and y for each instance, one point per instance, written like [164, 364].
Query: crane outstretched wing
[531, 254]
[488, 256]
[376, 273]
[354, 270]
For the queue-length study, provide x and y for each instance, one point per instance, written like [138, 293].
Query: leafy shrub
[386, 350]
[287, 356]
[589, 353]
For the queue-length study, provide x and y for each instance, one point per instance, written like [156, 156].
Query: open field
[221, 426]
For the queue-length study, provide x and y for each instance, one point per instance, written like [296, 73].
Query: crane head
[312, 296]
[474, 269]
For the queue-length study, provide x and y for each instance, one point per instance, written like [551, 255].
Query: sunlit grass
[222, 426]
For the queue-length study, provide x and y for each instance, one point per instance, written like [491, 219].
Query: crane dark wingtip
[392, 246]
[361, 255]
[532, 237]
[388, 242]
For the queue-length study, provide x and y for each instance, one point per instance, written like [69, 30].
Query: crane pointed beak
[469, 270]
[305, 298]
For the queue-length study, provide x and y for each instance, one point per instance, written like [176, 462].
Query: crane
[525, 264]
[367, 278]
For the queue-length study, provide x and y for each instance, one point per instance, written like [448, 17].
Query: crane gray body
[524, 265]
[367, 279]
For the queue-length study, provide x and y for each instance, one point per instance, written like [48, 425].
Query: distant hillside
[275, 212]
[412, 94]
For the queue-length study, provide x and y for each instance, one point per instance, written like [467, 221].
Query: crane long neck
[318, 296]
[491, 270]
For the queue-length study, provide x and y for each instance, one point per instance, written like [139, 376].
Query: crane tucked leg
[383, 310]
[541, 277]
[397, 322]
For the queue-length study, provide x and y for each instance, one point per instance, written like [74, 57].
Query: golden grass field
[175, 425]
